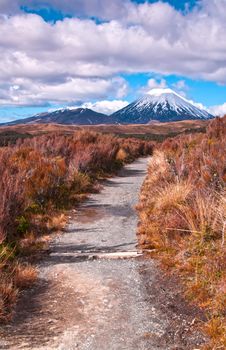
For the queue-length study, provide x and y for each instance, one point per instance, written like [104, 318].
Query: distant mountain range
[67, 116]
[160, 105]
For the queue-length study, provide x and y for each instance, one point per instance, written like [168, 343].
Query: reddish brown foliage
[44, 170]
[200, 158]
[40, 175]
[183, 216]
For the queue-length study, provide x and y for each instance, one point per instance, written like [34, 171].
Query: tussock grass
[183, 216]
[122, 155]
[24, 275]
[172, 195]
[57, 223]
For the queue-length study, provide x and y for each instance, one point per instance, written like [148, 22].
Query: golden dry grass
[183, 216]
[24, 275]
[172, 195]
[122, 155]
[57, 222]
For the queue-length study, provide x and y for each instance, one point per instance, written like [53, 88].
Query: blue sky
[52, 14]
[107, 53]
[178, 4]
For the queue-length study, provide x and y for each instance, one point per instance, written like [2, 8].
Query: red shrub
[42, 171]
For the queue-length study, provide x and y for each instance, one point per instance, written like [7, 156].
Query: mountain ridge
[157, 105]
[66, 116]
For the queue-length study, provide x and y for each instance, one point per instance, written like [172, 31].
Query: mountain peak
[163, 105]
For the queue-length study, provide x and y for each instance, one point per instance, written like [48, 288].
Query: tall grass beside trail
[39, 179]
[183, 219]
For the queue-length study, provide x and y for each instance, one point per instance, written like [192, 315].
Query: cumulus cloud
[84, 57]
[219, 110]
[199, 105]
[153, 84]
[25, 92]
[179, 86]
[106, 107]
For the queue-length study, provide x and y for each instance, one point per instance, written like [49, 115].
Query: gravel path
[89, 299]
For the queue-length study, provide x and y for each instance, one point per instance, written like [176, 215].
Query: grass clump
[183, 217]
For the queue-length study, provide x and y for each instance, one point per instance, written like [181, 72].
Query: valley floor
[87, 298]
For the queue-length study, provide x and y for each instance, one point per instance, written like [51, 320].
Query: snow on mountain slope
[162, 105]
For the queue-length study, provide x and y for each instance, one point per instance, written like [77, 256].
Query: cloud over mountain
[219, 110]
[106, 107]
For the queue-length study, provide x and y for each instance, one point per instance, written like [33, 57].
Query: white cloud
[219, 110]
[199, 105]
[81, 57]
[180, 86]
[26, 92]
[106, 107]
[153, 84]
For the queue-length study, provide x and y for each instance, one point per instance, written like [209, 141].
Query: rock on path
[95, 292]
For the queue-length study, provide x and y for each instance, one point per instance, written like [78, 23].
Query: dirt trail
[87, 298]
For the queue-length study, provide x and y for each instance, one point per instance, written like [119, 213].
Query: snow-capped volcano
[163, 105]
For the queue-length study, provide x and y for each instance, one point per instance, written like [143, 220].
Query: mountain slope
[163, 105]
[67, 116]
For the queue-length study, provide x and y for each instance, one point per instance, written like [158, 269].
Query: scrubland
[182, 207]
[153, 132]
[41, 178]
[182, 213]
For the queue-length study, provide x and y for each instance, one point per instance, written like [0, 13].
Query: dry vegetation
[183, 217]
[39, 179]
[153, 132]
